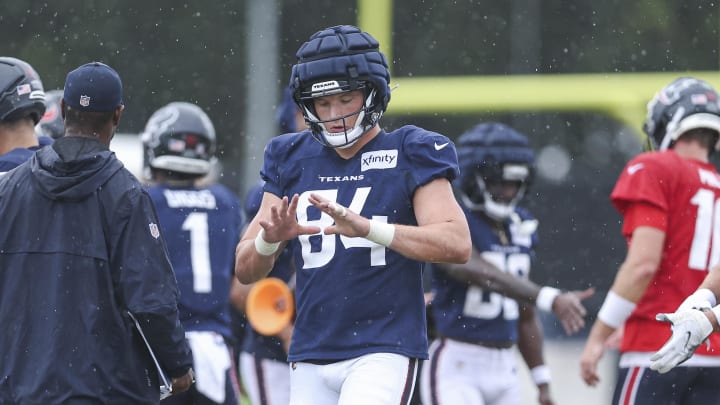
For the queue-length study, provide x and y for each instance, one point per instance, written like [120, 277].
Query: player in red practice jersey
[667, 199]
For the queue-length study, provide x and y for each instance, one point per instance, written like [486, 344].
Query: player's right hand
[690, 328]
[282, 224]
[568, 308]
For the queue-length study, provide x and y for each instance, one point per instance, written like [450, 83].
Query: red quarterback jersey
[680, 197]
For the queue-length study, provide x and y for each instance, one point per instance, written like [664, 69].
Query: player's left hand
[346, 223]
[690, 328]
[568, 308]
[282, 223]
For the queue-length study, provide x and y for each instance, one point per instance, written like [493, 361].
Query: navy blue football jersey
[267, 347]
[202, 228]
[15, 157]
[355, 296]
[469, 313]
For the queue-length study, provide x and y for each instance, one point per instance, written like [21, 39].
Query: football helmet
[491, 153]
[686, 103]
[336, 60]
[179, 137]
[21, 91]
[52, 123]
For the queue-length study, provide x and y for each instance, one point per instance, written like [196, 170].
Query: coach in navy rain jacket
[79, 247]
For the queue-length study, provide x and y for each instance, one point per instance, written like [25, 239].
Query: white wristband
[705, 294]
[263, 247]
[540, 374]
[615, 310]
[381, 233]
[545, 298]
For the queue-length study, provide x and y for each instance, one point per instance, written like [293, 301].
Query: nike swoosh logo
[438, 147]
[634, 168]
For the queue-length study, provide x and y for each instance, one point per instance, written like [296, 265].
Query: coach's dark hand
[183, 383]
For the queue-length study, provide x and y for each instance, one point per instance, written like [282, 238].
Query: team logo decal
[84, 101]
[154, 230]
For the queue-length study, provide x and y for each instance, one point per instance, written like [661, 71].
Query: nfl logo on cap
[84, 101]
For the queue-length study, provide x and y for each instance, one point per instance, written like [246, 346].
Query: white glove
[700, 299]
[690, 328]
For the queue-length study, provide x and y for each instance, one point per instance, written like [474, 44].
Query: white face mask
[496, 210]
[503, 210]
[345, 139]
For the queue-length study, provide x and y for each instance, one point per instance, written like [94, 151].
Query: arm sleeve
[644, 179]
[147, 284]
[643, 214]
[642, 193]
[270, 172]
[432, 155]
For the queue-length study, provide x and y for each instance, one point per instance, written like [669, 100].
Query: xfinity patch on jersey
[379, 159]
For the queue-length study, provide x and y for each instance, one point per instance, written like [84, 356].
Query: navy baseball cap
[93, 87]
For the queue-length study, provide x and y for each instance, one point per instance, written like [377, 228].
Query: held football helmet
[491, 153]
[21, 91]
[686, 103]
[336, 60]
[180, 138]
[52, 123]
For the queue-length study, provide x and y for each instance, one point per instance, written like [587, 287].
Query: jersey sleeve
[276, 152]
[643, 214]
[643, 180]
[432, 156]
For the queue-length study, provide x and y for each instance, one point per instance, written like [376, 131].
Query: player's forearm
[447, 242]
[484, 274]
[530, 343]
[250, 265]
[633, 279]
[530, 338]
[640, 264]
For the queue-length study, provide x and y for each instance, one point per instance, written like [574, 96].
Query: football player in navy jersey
[365, 209]
[471, 360]
[201, 226]
[22, 103]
